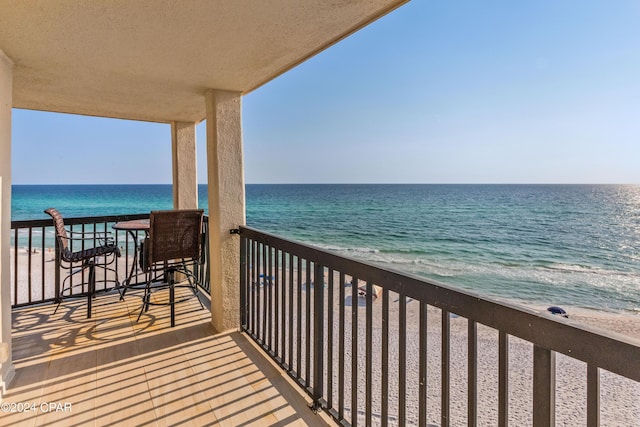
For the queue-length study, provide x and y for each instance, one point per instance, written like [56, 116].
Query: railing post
[544, 387]
[243, 282]
[503, 379]
[593, 396]
[445, 361]
[472, 375]
[318, 336]
[205, 272]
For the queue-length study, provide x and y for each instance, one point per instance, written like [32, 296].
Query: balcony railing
[369, 361]
[35, 277]
[391, 360]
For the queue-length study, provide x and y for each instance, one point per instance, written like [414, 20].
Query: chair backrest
[174, 235]
[61, 232]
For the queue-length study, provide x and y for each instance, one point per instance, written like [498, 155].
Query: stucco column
[6, 363]
[226, 204]
[185, 177]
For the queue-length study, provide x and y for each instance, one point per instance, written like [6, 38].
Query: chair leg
[194, 288]
[193, 283]
[172, 297]
[145, 300]
[118, 288]
[196, 294]
[92, 287]
[60, 294]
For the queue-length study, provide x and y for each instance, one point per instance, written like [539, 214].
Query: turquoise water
[572, 245]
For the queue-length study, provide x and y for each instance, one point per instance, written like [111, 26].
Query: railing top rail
[82, 220]
[77, 220]
[606, 349]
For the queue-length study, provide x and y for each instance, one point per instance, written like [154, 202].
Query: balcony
[111, 369]
[416, 353]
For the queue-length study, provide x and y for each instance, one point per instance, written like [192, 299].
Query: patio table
[132, 227]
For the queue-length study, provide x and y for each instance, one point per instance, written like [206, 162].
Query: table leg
[136, 248]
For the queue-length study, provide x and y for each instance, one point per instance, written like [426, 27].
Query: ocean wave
[24, 232]
[589, 270]
[345, 250]
[562, 283]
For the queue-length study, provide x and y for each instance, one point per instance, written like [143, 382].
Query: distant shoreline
[626, 323]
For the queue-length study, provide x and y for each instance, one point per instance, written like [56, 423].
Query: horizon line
[346, 183]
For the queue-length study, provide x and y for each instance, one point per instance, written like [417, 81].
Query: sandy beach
[620, 398]
[43, 261]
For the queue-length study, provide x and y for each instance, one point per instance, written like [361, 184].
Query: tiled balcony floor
[112, 371]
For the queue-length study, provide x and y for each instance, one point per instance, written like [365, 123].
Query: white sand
[33, 283]
[620, 397]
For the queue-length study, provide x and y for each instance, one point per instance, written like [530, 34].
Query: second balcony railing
[35, 277]
[377, 347]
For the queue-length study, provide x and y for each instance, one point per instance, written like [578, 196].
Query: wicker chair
[102, 255]
[174, 245]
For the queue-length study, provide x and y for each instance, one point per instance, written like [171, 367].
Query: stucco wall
[226, 204]
[6, 76]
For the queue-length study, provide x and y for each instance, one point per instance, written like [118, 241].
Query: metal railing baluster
[503, 379]
[368, 353]
[445, 360]
[544, 387]
[472, 373]
[291, 311]
[422, 366]
[354, 351]
[341, 348]
[402, 358]
[330, 327]
[318, 336]
[384, 389]
[308, 314]
[593, 396]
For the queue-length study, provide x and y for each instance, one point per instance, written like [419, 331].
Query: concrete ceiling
[153, 60]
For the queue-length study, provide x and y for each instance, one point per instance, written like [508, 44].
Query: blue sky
[435, 92]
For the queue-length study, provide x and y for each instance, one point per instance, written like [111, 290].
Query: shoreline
[626, 323]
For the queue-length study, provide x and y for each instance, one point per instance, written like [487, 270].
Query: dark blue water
[576, 245]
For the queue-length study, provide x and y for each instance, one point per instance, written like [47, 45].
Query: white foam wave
[348, 251]
[532, 282]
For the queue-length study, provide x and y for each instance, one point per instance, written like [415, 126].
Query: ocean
[569, 245]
